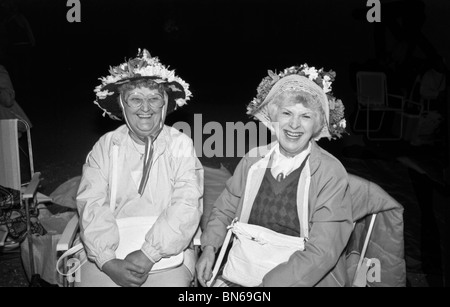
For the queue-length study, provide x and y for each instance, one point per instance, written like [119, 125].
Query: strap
[302, 210]
[366, 241]
[72, 251]
[112, 200]
[147, 164]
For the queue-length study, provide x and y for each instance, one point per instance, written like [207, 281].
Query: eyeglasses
[135, 101]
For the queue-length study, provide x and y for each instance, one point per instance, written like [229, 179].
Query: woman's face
[145, 119]
[294, 126]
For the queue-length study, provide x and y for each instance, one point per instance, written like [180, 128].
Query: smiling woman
[143, 170]
[293, 187]
[296, 118]
[143, 118]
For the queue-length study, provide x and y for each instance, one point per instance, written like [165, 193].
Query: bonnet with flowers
[307, 79]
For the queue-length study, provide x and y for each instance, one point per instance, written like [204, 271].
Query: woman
[158, 175]
[272, 185]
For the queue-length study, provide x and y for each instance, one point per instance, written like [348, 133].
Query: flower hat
[145, 67]
[303, 78]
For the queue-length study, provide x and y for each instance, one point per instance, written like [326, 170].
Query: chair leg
[356, 121]
[367, 125]
[30, 237]
[386, 139]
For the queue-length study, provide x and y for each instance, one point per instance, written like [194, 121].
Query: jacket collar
[314, 159]
[120, 134]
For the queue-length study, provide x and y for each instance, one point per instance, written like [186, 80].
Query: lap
[91, 276]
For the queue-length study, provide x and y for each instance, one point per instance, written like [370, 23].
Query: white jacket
[174, 193]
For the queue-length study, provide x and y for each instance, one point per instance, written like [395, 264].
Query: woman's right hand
[124, 273]
[205, 265]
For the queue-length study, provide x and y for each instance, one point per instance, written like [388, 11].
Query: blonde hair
[308, 100]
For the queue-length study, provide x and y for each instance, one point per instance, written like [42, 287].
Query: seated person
[159, 175]
[297, 106]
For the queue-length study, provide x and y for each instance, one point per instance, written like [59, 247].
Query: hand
[124, 273]
[139, 259]
[205, 264]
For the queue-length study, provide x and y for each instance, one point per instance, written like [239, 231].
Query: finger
[207, 271]
[137, 275]
[132, 279]
[133, 267]
[203, 275]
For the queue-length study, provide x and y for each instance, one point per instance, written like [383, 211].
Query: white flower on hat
[326, 82]
[311, 73]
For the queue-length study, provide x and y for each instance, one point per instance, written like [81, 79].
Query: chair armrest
[414, 103]
[197, 236]
[401, 98]
[3, 235]
[67, 237]
[31, 189]
[396, 96]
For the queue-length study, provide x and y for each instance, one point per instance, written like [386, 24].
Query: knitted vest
[275, 205]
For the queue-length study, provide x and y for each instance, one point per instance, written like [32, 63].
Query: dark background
[223, 49]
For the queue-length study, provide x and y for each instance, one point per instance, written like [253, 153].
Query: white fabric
[132, 230]
[174, 190]
[256, 251]
[132, 236]
[286, 165]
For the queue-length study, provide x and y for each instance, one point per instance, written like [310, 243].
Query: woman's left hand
[140, 259]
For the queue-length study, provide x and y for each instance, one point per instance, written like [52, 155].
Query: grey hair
[308, 100]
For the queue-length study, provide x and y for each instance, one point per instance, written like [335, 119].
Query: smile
[293, 135]
[145, 116]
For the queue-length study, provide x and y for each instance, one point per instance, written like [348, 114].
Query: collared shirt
[286, 165]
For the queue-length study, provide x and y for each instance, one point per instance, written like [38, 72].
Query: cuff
[151, 252]
[214, 248]
[106, 256]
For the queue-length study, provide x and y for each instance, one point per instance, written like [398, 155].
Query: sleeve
[225, 209]
[99, 231]
[331, 226]
[176, 226]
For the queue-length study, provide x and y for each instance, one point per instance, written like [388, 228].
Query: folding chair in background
[373, 97]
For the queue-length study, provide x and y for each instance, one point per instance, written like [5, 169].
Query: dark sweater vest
[275, 205]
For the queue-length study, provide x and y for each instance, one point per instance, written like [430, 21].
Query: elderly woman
[142, 169]
[272, 185]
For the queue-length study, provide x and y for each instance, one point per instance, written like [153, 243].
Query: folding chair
[373, 96]
[10, 175]
[377, 235]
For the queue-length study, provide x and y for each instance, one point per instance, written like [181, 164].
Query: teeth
[144, 116]
[294, 135]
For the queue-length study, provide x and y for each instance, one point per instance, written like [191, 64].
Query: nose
[146, 106]
[294, 123]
